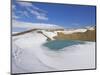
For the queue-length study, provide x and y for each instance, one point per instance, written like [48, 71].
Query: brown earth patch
[89, 35]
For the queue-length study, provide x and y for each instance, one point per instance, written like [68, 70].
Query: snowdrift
[29, 55]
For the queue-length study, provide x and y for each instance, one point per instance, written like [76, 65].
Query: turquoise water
[59, 44]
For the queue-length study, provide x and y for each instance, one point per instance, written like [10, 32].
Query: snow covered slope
[73, 31]
[82, 30]
[29, 55]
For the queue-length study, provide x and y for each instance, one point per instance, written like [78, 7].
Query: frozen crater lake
[60, 44]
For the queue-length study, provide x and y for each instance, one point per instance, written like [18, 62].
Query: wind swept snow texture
[29, 55]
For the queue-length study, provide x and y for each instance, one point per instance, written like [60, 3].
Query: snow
[90, 27]
[73, 31]
[29, 55]
[49, 34]
[80, 30]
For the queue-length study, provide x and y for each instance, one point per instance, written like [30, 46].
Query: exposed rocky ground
[89, 35]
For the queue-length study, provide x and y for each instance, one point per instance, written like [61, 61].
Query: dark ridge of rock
[21, 33]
